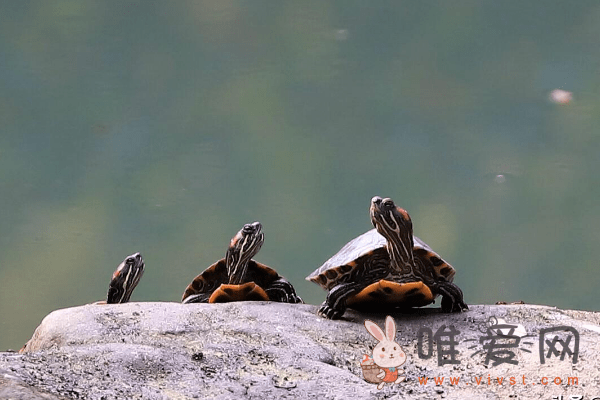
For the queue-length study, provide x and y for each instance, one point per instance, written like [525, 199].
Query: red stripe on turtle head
[404, 214]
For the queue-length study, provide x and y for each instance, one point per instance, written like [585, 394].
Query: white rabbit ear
[374, 330]
[390, 328]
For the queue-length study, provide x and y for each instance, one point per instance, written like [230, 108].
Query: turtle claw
[328, 312]
[287, 298]
[283, 297]
[196, 298]
[296, 300]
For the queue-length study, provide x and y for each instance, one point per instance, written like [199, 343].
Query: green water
[163, 127]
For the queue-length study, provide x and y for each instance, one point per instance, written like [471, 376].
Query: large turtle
[386, 267]
[124, 280]
[238, 277]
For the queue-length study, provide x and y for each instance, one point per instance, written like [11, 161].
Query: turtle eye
[388, 203]
[130, 261]
[247, 228]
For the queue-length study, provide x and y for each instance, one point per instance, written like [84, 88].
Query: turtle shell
[214, 283]
[352, 264]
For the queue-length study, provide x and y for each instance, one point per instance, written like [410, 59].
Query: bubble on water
[341, 34]
[560, 96]
[500, 178]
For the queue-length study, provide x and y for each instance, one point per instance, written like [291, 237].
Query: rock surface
[272, 350]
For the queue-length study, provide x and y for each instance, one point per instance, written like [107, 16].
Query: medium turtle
[386, 267]
[124, 280]
[238, 277]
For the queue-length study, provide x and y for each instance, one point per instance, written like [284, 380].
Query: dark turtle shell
[213, 282]
[353, 264]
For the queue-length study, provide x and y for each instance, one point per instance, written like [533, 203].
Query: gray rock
[256, 350]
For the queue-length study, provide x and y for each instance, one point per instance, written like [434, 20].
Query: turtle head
[244, 245]
[394, 224]
[125, 279]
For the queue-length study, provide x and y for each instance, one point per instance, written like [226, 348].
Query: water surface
[163, 127]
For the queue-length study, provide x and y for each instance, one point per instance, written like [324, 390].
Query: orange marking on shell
[440, 267]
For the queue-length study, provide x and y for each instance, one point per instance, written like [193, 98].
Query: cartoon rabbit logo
[383, 368]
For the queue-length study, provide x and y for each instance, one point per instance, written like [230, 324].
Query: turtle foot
[328, 312]
[283, 292]
[196, 298]
[452, 298]
[284, 297]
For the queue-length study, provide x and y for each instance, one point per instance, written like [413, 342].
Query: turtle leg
[197, 298]
[282, 291]
[335, 304]
[452, 297]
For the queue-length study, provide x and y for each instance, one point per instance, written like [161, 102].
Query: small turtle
[122, 283]
[386, 267]
[124, 280]
[237, 277]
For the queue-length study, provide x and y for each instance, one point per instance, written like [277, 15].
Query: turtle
[124, 280]
[386, 267]
[237, 277]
